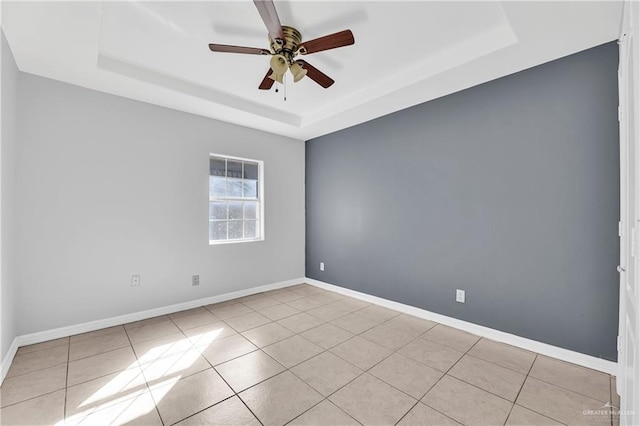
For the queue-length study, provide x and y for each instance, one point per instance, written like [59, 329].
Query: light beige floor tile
[105, 391]
[139, 410]
[378, 314]
[44, 345]
[361, 352]
[305, 304]
[355, 323]
[230, 412]
[521, 416]
[490, 377]
[300, 322]
[327, 335]
[247, 321]
[225, 349]
[292, 351]
[169, 357]
[248, 370]
[200, 318]
[431, 354]
[504, 355]
[578, 379]
[100, 365]
[324, 414]
[28, 363]
[389, 337]
[466, 403]
[407, 375]
[161, 343]
[413, 323]
[44, 410]
[421, 415]
[229, 310]
[372, 402]
[30, 385]
[204, 335]
[450, 337]
[118, 329]
[287, 296]
[97, 345]
[142, 323]
[261, 303]
[560, 404]
[328, 312]
[267, 334]
[352, 304]
[152, 331]
[280, 399]
[178, 400]
[326, 372]
[278, 312]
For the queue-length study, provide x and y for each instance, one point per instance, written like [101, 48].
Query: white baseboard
[578, 358]
[8, 359]
[56, 333]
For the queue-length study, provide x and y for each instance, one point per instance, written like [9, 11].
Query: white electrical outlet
[322, 266]
[135, 280]
[195, 280]
[460, 296]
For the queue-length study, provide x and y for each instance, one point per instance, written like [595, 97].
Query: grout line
[135, 354]
[66, 382]
[521, 386]
[444, 375]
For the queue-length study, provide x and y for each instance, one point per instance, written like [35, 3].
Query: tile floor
[298, 356]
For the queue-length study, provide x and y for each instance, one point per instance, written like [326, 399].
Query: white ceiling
[405, 52]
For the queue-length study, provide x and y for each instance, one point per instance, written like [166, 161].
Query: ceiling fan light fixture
[279, 64]
[277, 77]
[297, 71]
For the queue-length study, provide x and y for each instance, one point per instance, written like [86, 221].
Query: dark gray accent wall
[508, 190]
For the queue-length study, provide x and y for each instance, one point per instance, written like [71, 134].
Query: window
[235, 200]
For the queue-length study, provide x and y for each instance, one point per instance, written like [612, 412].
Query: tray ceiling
[405, 52]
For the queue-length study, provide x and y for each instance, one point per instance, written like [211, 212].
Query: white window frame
[260, 210]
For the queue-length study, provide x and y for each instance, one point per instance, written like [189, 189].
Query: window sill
[223, 242]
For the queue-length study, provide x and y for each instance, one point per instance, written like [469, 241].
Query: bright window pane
[235, 209]
[234, 199]
[217, 187]
[250, 188]
[235, 229]
[218, 230]
[249, 228]
[234, 187]
[250, 209]
[218, 210]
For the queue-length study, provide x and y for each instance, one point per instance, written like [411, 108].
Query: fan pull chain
[284, 83]
[276, 87]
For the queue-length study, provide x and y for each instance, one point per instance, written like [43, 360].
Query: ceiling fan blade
[331, 41]
[266, 81]
[238, 49]
[316, 75]
[269, 15]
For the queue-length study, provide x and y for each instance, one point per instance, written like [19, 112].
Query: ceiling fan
[285, 44]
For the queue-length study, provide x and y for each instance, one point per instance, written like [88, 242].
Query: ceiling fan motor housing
[289, 48]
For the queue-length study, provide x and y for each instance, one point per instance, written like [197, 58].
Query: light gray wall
[7, 199]
[109, 187]
[508, 190]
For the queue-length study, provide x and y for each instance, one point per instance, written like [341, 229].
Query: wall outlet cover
[195, 280]
[460, 296]
[135, 280]
[322, 266]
